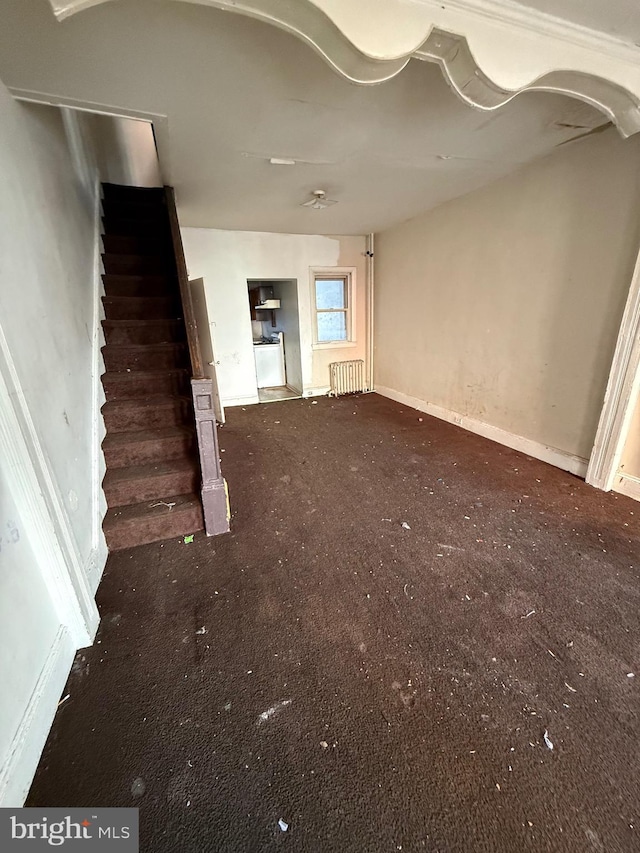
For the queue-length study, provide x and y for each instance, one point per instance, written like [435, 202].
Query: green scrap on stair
[188, 539]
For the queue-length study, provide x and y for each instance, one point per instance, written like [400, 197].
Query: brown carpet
[376, 687]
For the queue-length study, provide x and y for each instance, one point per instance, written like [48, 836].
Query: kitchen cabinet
[262, 304]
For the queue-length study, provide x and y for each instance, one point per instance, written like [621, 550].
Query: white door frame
[621, 395]
[37, 501]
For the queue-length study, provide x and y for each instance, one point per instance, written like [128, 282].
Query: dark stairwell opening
[152, 479]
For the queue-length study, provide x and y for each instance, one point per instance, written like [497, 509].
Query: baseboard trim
[98, 501]
[19, 765]
[627, 484]
[559, 458]
[94, 567]
[241, 401]
[322, 391]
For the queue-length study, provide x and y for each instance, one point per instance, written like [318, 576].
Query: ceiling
[618, 18]
[237, 92]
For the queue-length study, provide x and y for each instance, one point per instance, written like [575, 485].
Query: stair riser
[119, 245]
[173, 524]
[123, 208]
[147, 452]
[169, 332]
[123, 387]
[143, 195]
[134, 265]
[141, 286]
[151, 359]
[139, 491]
[143, 308]
[135, 227]
[136, 418]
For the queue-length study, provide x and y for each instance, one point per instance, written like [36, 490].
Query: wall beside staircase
[125, 150]
[48, 304]
[52, 549]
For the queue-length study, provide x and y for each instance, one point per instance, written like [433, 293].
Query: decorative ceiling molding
[524, 18]
[469, 82]
[597, 62]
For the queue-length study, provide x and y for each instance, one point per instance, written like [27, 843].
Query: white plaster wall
[226, 259]
[287, 319]
[48, 259]
[126, 151]
[504, 305]
[49, 378]
[24, 600]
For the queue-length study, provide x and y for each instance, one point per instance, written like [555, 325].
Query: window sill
[334, 345]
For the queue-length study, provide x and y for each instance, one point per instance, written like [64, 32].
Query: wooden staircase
[153, 474]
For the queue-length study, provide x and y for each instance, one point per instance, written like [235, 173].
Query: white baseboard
[627, 484]
[250, 400]
[321, 391]
[559, 458]
[241, 401]
[98, 466]
[94, 567]
[19, 765]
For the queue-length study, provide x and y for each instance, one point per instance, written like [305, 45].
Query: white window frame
[349, 274]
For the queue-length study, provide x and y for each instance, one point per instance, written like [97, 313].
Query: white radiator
[346, 377]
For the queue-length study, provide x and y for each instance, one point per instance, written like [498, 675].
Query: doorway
[275, 326]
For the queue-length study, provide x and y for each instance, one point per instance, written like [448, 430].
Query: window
[332, 301]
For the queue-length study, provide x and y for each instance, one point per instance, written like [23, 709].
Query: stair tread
[136, 256]
[168, 296]
[115, 244]
[132, 513]
[146, 221]
[137, 322]
[126, 277]
[157, 469]
[166, 345]
[157, 402]
[110, 186]
[129, 332]
[141, 435]
[156, 240]
[128, 208]
[116, 206]
[137, 201]
[171, 351]
[144, 374]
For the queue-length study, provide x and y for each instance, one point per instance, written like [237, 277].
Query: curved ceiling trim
[467, 79]
[306, 20]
